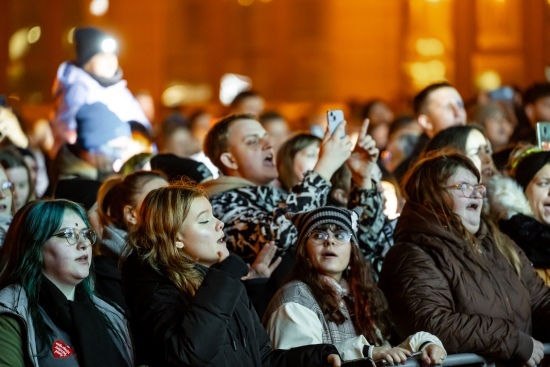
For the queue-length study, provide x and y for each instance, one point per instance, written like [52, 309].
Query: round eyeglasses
[340, 236]
[469, 190]
[73, 235]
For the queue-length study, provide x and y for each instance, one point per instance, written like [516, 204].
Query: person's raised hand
[537, 355]
[264, 265]
[334, 360]
[363, 158]
[335, 150]
[10, 127]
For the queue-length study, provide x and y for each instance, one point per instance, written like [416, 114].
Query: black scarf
[84, 323]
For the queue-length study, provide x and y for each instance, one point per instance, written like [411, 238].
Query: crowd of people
[240, 241]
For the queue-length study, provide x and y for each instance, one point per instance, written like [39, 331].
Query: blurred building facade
[294, 51]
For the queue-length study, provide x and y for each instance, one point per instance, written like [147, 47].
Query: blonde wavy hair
[160, 218]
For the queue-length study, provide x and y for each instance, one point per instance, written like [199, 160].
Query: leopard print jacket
[255, 215]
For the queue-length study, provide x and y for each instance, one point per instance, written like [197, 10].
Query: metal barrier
[466, 359]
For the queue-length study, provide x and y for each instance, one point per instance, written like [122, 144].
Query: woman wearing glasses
[48, 313]
[332, 297]
[452, 273]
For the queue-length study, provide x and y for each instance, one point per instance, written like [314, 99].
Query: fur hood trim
[506, 198]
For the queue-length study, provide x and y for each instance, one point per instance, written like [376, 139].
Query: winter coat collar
[225, 183]
[114, 239]
[506, 198]
[341, 288]
[14, 301]
[417, 220]
[69, 74]
[107, 82]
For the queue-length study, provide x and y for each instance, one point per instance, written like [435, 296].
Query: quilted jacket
[472, 300]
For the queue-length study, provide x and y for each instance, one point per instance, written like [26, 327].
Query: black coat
[216, 327]
[108, 281]
[531, 235]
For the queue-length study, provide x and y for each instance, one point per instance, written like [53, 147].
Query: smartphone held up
[543, 135]
[334, 119]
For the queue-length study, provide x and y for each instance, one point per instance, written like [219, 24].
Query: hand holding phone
[334, 119]
[543, 135]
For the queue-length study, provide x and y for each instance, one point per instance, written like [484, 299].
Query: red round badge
[61, 350]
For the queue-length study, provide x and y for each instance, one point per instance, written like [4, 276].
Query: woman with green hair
[48, 312]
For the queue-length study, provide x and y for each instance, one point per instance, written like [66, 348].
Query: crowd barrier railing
[465, 359]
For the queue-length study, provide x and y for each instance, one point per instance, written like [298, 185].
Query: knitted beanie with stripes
[307, 222]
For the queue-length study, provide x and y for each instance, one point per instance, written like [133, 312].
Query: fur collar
[506, 198]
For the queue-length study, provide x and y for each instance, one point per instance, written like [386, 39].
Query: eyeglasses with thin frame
[340, 236]
[468, 190]
[73, 235]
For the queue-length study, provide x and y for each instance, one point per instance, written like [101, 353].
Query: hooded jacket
[515, 218]
[216, 327]
[474, 302]
[80, 97]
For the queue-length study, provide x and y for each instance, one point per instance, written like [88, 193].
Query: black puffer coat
[216, 327]
[474, 302]
[531, 235]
